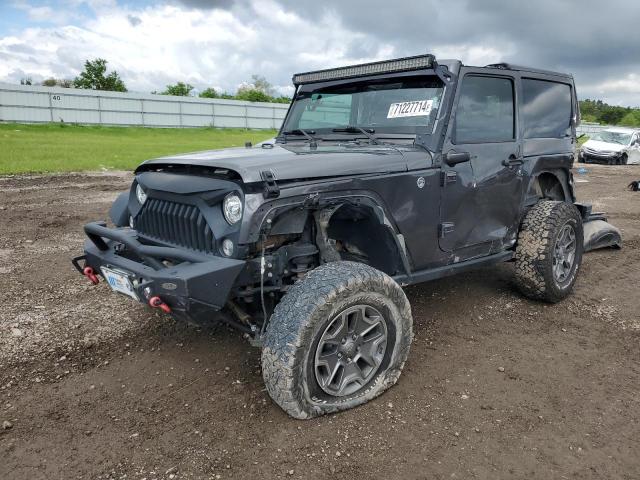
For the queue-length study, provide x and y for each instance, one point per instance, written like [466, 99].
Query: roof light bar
[386, 66]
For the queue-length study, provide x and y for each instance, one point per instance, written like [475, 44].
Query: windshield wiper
[309, 134]
[368, 133]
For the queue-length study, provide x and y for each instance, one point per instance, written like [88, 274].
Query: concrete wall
[30, 104]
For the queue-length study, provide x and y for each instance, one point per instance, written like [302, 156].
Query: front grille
[176, 224]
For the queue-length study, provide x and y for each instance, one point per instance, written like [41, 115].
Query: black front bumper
[193, 285]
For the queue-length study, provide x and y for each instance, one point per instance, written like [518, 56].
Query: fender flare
[119, 211]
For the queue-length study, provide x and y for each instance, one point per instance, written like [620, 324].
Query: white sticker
[417, 108]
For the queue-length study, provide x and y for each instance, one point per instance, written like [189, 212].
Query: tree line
[95, 77]
[257, 90]
[603, 113]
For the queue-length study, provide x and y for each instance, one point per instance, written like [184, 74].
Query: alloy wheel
[350, 350]
[564, 253]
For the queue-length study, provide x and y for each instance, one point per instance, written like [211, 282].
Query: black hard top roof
[520, 68]
[453, 65]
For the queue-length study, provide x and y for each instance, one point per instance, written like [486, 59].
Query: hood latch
[271, 188]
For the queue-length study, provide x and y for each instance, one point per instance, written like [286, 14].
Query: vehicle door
[633, 155]
[482, 157]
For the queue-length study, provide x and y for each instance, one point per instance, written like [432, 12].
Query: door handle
[453, 158]
[512, 161]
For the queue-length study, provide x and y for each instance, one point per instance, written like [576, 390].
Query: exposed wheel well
[357, 234]
[351, 230]
[549, 187]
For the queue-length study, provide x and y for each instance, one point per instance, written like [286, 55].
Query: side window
[546, 109]
[485, 111]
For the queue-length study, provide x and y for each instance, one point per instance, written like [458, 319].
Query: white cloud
[623, 90]
[628, 84]
[168, 43]
[222, 47]
[62, 13]
[151, 47]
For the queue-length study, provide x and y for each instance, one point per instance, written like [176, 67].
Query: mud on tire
[539, 235]
[302, 318]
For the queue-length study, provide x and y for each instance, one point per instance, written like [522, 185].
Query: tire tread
[535, 244]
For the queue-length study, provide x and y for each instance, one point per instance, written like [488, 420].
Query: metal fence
[588, 128]
[30, 104]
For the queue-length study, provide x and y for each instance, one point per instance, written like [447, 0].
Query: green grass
[582, 140]
[65, 148]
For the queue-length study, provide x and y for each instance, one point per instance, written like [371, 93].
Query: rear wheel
[549, 251]
[338, 338]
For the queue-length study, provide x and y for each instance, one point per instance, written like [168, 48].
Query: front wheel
[337, 339]
[549, 251]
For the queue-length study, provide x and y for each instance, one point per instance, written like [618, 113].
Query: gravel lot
[496, 386]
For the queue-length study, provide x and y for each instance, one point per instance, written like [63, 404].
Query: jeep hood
[299, 161]
[599, 146]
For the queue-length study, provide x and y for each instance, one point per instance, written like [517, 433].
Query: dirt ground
[496, 386]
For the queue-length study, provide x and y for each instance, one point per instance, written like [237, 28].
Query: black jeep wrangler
[383, 175]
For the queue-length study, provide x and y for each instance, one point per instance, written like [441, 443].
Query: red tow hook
[157, 302]
[91, 275]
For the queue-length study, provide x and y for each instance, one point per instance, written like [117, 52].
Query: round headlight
[232, 208]
[140, 194]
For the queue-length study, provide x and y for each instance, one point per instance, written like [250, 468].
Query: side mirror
[453, 158]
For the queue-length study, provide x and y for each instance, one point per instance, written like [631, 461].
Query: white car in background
[613, 146]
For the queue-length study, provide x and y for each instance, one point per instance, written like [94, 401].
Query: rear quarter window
[546, 109]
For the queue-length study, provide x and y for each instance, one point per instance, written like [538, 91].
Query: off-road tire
[534, 251]
[303, 314]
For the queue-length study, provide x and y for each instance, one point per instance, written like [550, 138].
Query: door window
[485, 111]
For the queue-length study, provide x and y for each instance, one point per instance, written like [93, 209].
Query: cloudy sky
[221, 43]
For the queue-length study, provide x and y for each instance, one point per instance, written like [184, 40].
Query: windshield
[405, 105]
[621, 138]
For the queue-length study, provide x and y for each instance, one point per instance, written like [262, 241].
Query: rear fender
[598, 233]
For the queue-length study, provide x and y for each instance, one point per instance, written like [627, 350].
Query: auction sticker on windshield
[416, 108]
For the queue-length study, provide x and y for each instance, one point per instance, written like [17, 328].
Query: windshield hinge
[447, 177]
[271, 189]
